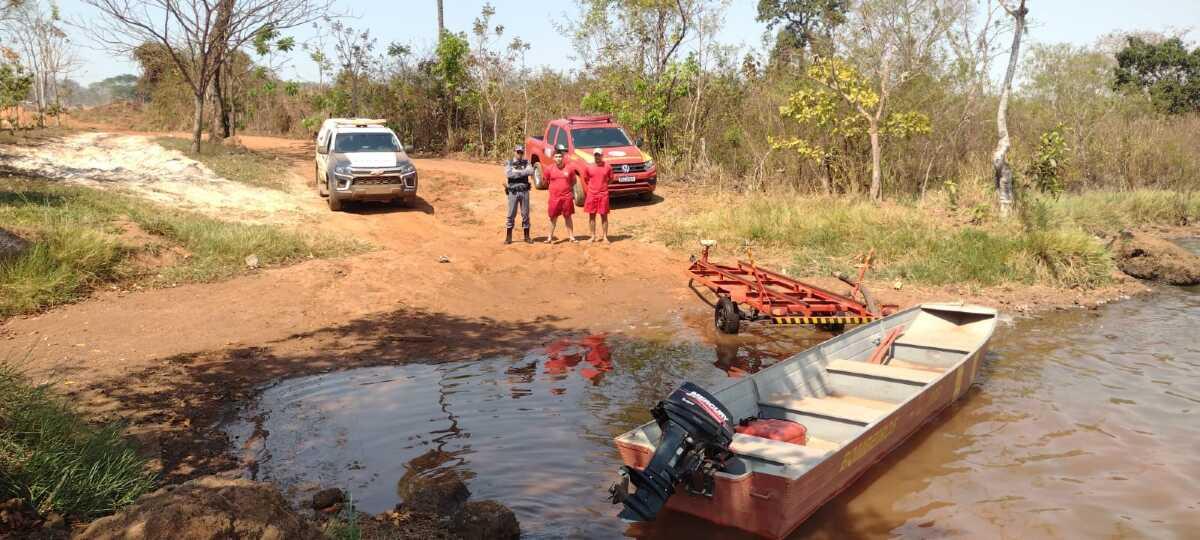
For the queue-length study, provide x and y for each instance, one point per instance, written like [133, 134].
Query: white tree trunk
[1001, 169]
[876, 159]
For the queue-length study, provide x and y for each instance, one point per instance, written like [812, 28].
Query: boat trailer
[776, 299]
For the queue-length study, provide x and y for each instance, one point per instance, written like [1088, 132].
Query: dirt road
[170, 359]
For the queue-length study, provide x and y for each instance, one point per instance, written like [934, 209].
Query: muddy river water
[1082, 423]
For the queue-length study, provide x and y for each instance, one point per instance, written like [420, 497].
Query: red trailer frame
[777, 299]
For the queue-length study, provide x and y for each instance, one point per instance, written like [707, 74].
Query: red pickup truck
[634, 173]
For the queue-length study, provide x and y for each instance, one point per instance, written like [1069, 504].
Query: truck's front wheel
[538, 181]
[335, 204]
[578, 193]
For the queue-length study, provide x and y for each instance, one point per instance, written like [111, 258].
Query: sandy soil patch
[136, 165]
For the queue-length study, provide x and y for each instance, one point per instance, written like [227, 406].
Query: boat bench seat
[829, 408]
[779, 452]
[894, 373]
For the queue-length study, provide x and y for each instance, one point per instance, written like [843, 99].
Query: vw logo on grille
[376, 172]
[625, 168]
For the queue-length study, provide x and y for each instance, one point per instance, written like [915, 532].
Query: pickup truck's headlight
[407, 168]
[649, 164]
[342, 170]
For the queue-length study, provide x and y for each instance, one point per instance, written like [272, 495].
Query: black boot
[528, 240]
[508, 235]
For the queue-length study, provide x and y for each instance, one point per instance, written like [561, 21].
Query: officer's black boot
[528, 240]
[508, 235]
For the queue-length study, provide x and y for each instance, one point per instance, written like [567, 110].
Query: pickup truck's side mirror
[322, 149]
[639, 142]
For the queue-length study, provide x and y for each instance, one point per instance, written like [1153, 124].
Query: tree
[1001, 170]
[45, 50]
[491, 67]
[450, 67]
[353, 50]
[889, 42]
[633, 46]
[843, 104]
[15, 84]
[196, 34]
[802, 22]
[1165, 72]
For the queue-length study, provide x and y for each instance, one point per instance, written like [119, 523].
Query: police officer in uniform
[518, 172]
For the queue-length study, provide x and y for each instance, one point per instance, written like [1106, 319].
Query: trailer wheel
[835, 328]
[727, 316]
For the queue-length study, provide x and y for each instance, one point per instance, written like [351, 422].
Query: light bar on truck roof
[360, 122]
[589, 119]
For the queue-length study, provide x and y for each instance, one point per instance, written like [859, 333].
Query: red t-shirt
[597, 178]
[559, 180]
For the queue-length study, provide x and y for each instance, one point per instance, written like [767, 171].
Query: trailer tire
[834, 328]
[727, 316]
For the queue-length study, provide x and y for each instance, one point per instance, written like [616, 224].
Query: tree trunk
[198, 122]
[223, 112]
[1001, 169]
[441, 21]
[827, 179]
[876, 158]
[449, 122]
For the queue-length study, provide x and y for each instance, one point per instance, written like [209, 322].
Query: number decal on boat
[863, 448]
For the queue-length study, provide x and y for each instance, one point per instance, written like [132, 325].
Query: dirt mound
[11, 245]
[207, 508]
[1146, 257]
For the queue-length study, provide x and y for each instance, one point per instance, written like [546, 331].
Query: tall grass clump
[1109, 211]
[820, 235]
[78, 242]
[56, 461]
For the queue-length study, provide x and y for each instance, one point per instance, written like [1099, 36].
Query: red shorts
[596, 204]
[560, 205]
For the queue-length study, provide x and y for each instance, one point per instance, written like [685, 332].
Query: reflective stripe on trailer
[821, 320]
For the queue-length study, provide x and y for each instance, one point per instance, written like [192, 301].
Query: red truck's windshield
[600, 137]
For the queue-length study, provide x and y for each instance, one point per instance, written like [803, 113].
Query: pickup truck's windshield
[599, 137]
[365, 142]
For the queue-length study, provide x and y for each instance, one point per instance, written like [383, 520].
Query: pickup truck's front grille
[629, 168]
[378, 180]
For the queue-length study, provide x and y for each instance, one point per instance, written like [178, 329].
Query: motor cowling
[696, 433]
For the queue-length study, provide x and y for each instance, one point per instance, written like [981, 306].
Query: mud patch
[136, 165]
[1146, 257]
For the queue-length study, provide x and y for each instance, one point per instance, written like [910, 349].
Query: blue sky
[414, 22]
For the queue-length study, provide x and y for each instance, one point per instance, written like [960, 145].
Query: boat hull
[773, 506]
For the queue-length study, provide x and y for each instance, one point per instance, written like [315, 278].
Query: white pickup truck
[361, 159]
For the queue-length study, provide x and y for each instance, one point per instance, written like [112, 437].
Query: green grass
[917, 244]
[345, 525]
[78, 244]
[55, 461]
[234, 162]
[1107, 211]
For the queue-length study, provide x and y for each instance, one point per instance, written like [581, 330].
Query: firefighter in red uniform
[596, 178]
[560, 177]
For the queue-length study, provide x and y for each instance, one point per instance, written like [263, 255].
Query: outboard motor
[696, 433]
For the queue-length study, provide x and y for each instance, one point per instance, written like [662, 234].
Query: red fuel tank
[776, 430]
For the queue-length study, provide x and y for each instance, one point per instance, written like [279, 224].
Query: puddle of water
[1081, 424]
[534, 433]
